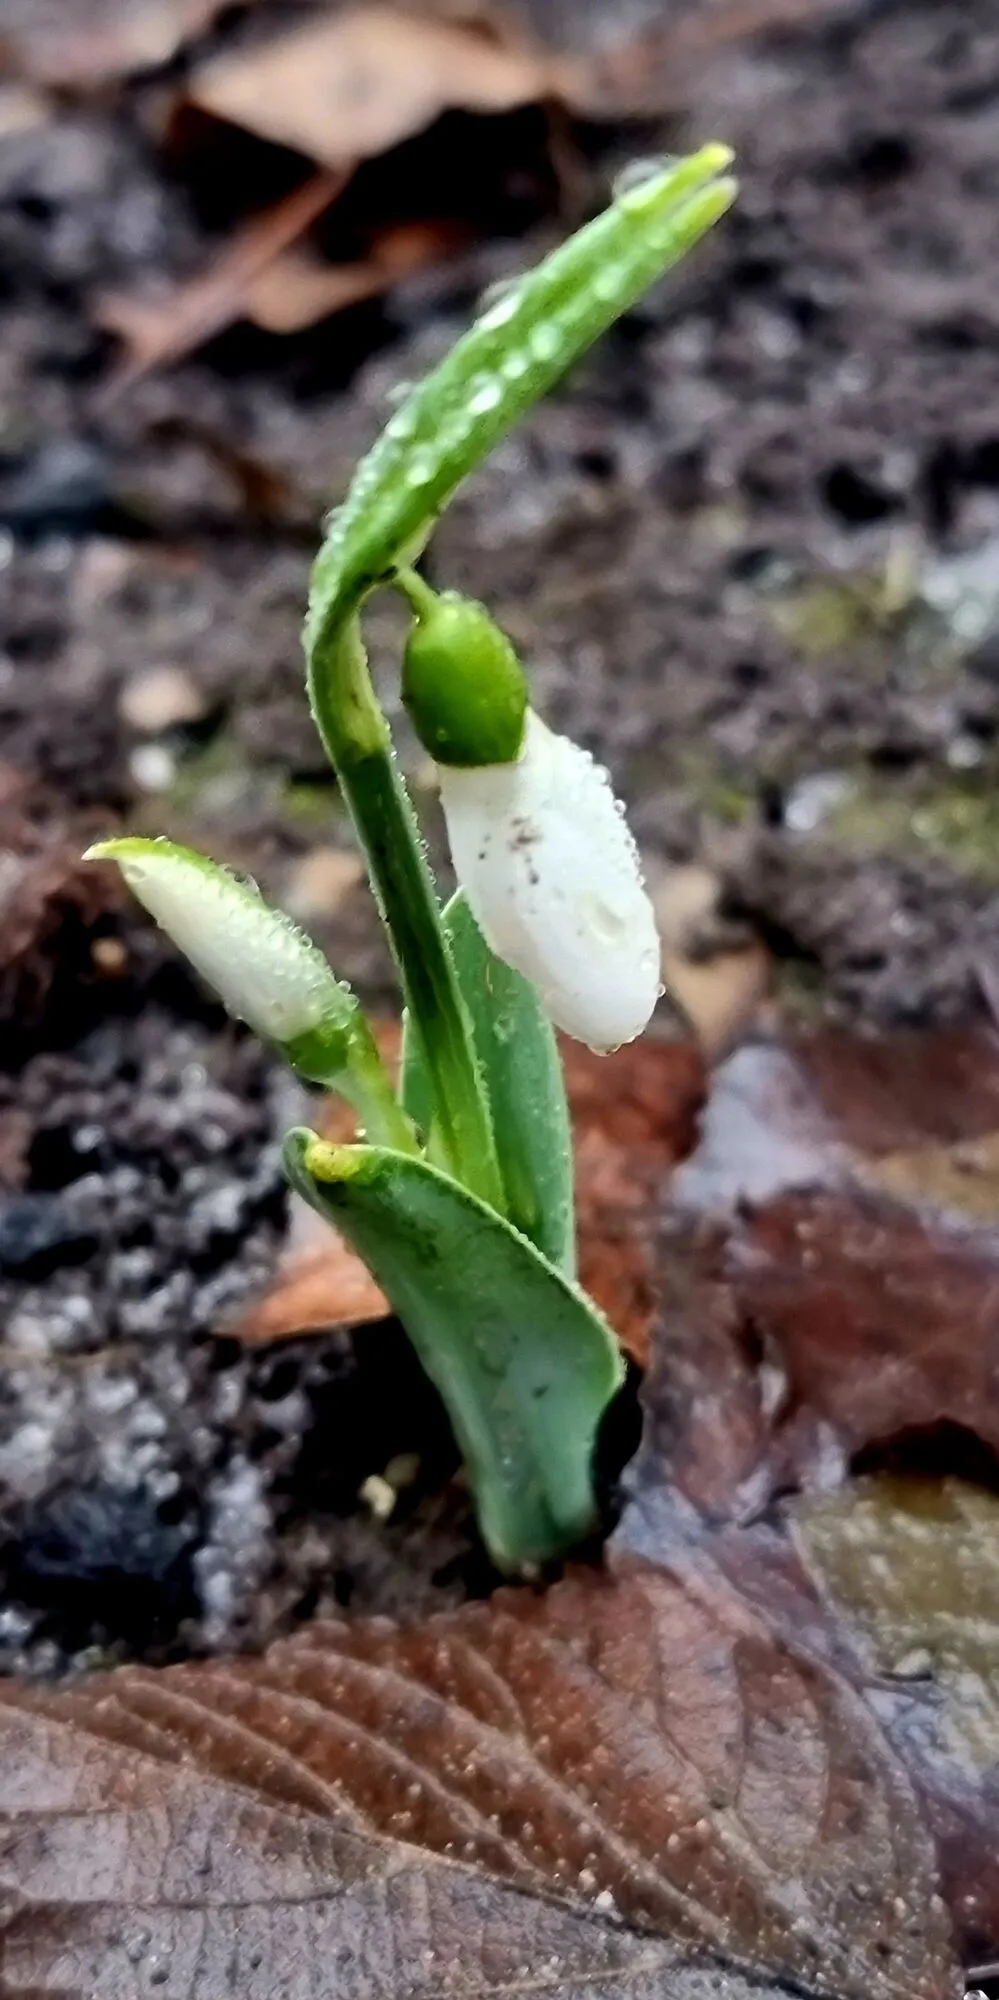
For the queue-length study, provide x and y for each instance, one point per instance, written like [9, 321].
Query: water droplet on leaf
[485, 396]
[421, 468]
[638, 182]
[499, 302]
[545, 341]
[609, 281]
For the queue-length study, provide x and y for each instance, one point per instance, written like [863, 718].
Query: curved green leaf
[516, 350]
[523, 1362]
[522, 1072]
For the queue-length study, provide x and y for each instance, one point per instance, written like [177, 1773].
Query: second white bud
[552, 875]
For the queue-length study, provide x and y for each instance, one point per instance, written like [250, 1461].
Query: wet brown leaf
[817, 1318]
[845, 1303]
[634, 1116]
[345, 86]
[634, 1750]
[730, 1741]
[914, 1566]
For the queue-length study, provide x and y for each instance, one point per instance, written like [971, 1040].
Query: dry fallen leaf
[719, 981]
[347, 85]
[634, 1116]
[319, 882]
[298, 287]
[320, 1283]
[166, 328]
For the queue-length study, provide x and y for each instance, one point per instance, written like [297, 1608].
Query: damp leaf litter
[746, 1749]
[458, 1193]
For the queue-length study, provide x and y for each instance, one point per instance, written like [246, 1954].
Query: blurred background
[750, 552]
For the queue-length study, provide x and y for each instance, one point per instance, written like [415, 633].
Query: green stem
[358, 743]
[382, 1118]
[422, 600]
[352, 1066]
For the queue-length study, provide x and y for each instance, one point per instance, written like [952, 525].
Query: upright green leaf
[522, 1071]
[523, 1362]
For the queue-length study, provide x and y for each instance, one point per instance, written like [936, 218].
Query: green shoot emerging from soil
[459, 1195]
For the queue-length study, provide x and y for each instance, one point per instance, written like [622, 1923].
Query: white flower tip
[264, 969]
[553, 878]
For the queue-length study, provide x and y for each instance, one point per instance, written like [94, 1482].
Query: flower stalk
[358, 743]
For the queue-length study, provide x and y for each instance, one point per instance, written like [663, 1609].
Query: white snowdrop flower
[552, 876]
[264, 969]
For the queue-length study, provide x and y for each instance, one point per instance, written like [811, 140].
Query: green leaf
[523, 1362]
[518, 347]
[522, 1071]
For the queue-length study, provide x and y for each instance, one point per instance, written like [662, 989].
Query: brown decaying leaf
[689, 1744]
[155, 331]
[347, 85]
[914, 1565]
[872, 1314]
[634, 1116]
[340, 88]
[632, 1749]
[298, 287]
[720, 980]
[816, 1316]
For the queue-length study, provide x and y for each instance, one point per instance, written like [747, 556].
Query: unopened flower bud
[265, 970]
[462, 683]
[553, 879]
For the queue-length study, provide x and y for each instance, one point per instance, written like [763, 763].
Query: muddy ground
[731, 550]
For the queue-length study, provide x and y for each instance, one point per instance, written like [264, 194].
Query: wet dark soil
[731, 550]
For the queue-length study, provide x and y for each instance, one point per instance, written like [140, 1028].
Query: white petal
[552, 876]
[264, 969]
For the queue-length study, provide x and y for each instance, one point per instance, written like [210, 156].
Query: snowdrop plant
[458, 1193]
